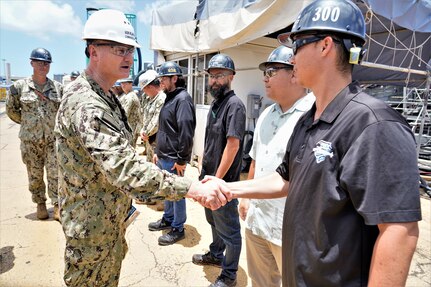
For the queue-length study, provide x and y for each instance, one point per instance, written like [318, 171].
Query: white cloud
[126, 6]
[43, 19]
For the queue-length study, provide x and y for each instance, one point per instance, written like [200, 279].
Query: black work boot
[206, 259]
[159, 225]
[171, 237]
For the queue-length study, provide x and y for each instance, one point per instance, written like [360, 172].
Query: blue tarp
[414, 15]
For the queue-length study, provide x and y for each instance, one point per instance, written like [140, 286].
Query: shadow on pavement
[33, 217]
[211, 274]
[7, 259]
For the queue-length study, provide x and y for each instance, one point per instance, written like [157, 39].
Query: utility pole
[4, 66]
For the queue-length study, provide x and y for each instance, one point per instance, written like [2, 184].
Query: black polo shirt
[348, 171]
[226, 118]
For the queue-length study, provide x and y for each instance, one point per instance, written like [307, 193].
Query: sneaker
[171, 237]
[159, 225]
[223, 281]
[56, 214]
[41, 212]
[206, 259]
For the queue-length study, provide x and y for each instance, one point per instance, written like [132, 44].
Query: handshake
[211, 192]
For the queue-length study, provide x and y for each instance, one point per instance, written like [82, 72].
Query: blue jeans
[226, 231]
[175, 211]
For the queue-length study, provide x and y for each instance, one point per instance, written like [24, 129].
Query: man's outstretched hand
[211, 194]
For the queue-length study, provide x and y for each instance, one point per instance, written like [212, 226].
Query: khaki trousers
[263, 261]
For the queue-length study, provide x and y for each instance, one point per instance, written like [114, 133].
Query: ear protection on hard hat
[341, 18]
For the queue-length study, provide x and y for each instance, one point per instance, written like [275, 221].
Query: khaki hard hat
[147, 78]
[126, 80]
[111, 25]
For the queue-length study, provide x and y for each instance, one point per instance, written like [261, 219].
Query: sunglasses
[271, 72]
[304, 41]
[118, 50]
[298, 43]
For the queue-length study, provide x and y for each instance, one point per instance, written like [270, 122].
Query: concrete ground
[31, 251]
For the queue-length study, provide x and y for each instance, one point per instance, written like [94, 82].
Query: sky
[57, 26]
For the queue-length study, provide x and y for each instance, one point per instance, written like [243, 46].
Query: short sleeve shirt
[272, 132]
[351, 169]
[226, 118]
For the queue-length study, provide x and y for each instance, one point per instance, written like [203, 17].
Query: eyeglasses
[298, 43]
[118, 50]
[271, 72]
[218, 76]
[304, 41]
[41, 63]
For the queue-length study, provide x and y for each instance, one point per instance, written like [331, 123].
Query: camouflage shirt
[152, 107]
[99, 171]
[34, 109]
[132, 106]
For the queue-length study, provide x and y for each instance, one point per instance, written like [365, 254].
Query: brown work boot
[160, 206]
[42, 213]
[56, 214]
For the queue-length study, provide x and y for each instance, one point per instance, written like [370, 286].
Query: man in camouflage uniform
[132, 106]
[153, 101]
[33, 103]
[100, 172]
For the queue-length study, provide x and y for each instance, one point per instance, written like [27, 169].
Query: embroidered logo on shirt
[322, 150]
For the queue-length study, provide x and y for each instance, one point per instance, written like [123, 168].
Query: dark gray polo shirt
[226, 118]
[348, 171]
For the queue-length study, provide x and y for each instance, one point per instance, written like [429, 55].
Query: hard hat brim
[263, 65]
[285, 39]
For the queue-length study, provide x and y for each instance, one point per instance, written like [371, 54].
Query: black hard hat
[74, 74]
[341, 17]
[221, 61]
[280, 55]
[169, 69]
[41, 54]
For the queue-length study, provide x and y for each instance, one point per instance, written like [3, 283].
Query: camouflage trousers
[37, 155]
[94, 265]
[149, 149]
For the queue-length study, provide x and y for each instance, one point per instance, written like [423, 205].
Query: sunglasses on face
[271, 72]
[298, 43]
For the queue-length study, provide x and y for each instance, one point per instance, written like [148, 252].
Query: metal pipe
[393, 68]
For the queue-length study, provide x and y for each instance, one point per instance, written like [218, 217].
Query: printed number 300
[332, 13]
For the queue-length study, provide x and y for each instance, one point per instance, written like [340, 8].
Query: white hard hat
[126, 80]
[111, 25]
[147, 78]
